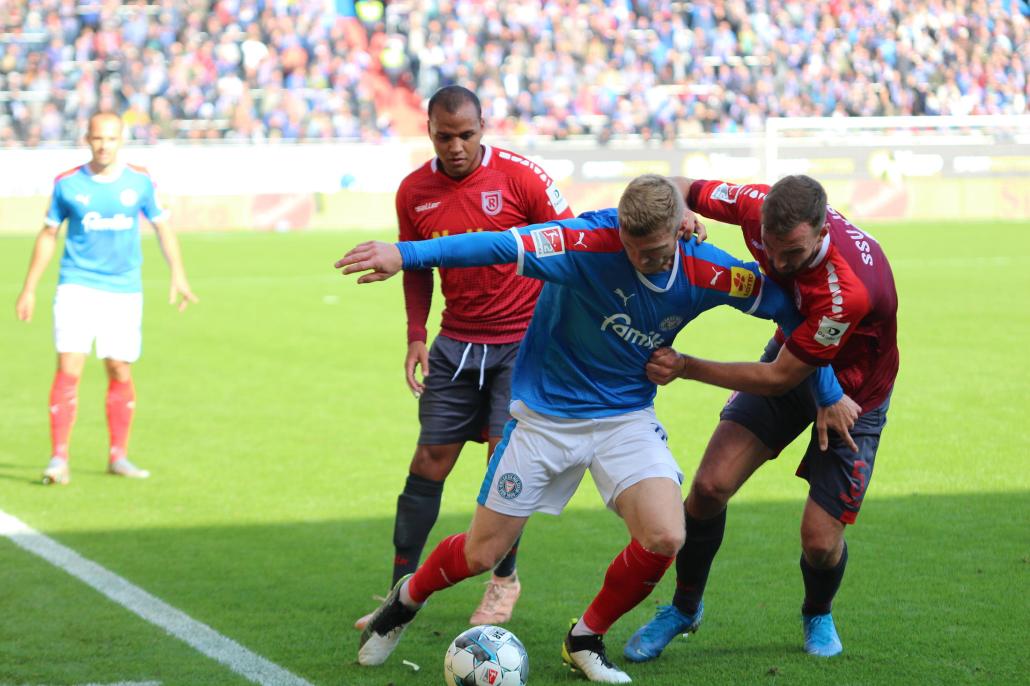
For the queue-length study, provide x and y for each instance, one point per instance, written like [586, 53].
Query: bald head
[104, 138]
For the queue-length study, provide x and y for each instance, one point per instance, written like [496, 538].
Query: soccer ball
[486, 656]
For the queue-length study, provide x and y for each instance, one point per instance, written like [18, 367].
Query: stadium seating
[312, 69]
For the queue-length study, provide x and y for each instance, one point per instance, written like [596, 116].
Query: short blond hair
[649, 204]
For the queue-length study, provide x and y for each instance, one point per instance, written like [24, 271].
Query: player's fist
[692, 226]
[665, 365]
[25, 306]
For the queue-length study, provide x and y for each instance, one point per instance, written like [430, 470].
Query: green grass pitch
[278, 428]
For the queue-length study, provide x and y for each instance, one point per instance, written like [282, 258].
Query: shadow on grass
[936, 590]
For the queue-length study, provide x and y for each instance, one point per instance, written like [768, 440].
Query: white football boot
[384, 629]
[586, 654]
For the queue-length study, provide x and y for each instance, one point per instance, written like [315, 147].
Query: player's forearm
[683, 184]
[463, 250]
[42, 253]
[759, 378]
[169, 243]
[418, 298]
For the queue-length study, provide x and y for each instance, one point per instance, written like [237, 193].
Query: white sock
[405, 597]
[581, 629]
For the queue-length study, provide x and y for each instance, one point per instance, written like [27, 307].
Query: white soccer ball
[486, 656]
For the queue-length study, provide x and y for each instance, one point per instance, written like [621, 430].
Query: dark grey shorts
[467, 391]
[838, 478]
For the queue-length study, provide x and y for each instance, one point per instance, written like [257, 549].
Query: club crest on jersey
[742, 282]
[493, 203]
[509, 486]
[830, 331]
[548, 241]
[128, 197]
[670, 322]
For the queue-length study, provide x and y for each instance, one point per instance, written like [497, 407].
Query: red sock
[444, 567]
[121, 401]
[631, 577]
[63, 402]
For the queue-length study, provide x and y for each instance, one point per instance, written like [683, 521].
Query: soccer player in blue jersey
[99, 293]
[619, 284]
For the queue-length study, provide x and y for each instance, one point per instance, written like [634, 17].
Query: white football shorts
[541, 459]
[114, 320]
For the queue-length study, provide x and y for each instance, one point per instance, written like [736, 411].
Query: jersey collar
[110, 176]
[672, 276]
[821, 255]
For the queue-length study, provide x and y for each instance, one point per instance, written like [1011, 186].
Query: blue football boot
[650, 640]
[821, 635]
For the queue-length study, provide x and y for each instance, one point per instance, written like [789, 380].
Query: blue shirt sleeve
[725, 280]
[148, 203]
[477, 249]
[58, 211]
[546, 251]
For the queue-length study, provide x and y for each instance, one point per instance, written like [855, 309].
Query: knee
[821, 549]
[480, 559]
[664, 541]
[433, 462]
[119, 371]
[709, 494]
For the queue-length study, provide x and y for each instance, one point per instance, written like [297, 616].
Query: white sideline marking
[129, 683]
[159, 613]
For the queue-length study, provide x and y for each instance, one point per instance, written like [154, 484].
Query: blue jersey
[102, 248]
[598, 319]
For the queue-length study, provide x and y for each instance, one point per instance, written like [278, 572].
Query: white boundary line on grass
[176, 622]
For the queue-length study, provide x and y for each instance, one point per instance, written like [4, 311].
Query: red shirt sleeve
[418, 284]
[726, 202]
[544, 202]
[834, 308]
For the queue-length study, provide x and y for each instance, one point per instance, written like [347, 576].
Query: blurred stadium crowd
[359, 69]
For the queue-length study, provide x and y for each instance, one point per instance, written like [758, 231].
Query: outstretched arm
[383, 260]
[760, 378]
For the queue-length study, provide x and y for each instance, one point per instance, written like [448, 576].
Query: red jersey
[481, 304]
[846, 294]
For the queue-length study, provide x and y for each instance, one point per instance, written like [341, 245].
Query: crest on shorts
[493, 203]
[509, 486]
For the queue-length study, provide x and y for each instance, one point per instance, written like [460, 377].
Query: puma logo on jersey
[579, 241]
[83, 199]
[625, 298]
[716, 276]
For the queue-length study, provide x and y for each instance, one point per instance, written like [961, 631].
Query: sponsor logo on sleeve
[742, 282]
[726, 193]
[557, 200]
[830, 331]
[548, 241]
[493, 203]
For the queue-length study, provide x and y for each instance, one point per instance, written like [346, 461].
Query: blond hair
[650, 203]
